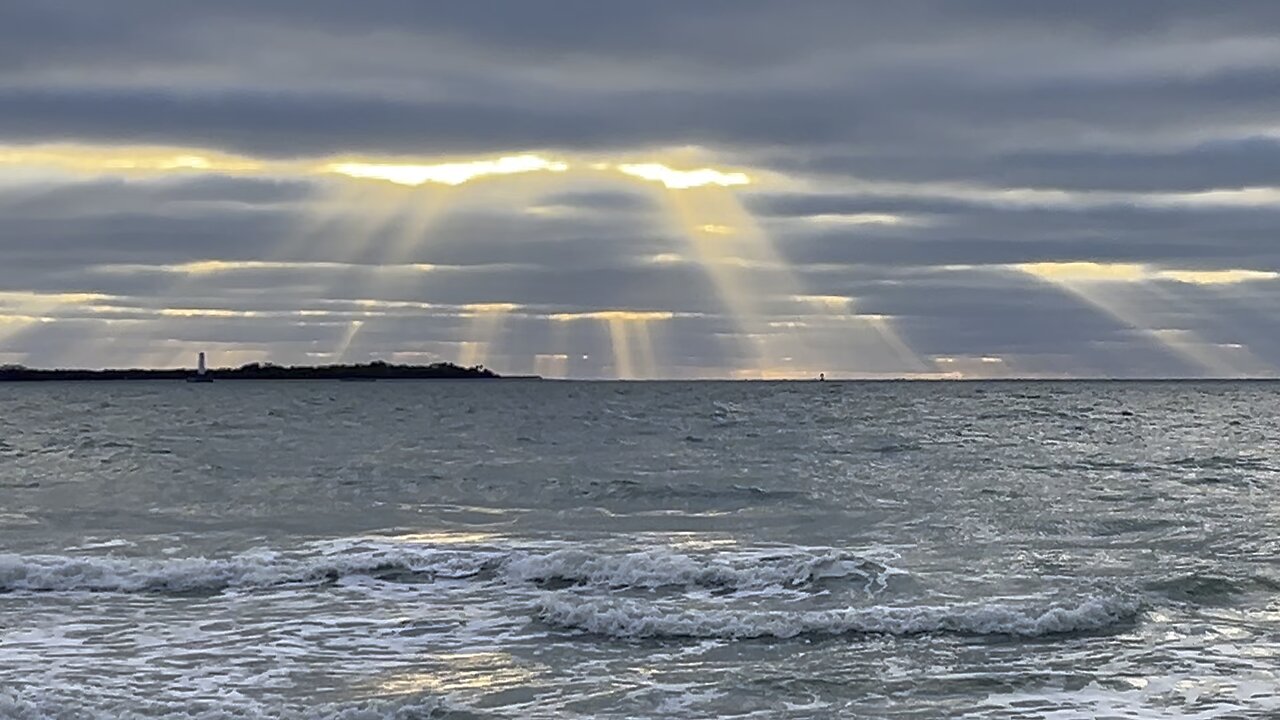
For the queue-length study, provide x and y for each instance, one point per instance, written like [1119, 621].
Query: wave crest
[657, 568]
[632, 619]
[646, 569]
[58, 573]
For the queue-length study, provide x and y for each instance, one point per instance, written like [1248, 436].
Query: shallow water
[619, 550]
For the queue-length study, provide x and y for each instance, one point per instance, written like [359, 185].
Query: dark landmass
[265, 371]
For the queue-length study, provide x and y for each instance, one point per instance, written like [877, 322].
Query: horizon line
[710, 378]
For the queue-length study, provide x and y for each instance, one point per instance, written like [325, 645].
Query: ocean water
[628, 550]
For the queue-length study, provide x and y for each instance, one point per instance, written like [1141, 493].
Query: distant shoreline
[448, 371]
[256, 371]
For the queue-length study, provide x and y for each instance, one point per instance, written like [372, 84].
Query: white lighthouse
[202, 372]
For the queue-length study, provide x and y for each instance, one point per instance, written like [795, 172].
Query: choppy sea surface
[627, 550]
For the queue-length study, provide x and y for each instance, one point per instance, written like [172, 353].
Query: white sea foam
[1190, 697]
[623, 618]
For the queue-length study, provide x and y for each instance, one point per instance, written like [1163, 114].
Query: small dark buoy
[822, 377]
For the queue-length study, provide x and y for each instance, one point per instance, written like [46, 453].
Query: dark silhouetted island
[376, 370]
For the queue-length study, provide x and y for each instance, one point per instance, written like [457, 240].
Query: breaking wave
[646, 569]
[660, 568]
[57, 573]
[634, 619]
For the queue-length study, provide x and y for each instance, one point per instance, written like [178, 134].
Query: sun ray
[375, 212]
[384, 211]
[471, 353]
[646, 361]
[417, 218]
[620, 338]
[629, 338]
[486, 321]
[560, 344]
[348, 338]
[741, 263]
[349, 221]
[1129, 300]
[858, 330]
[550, 365]
[13, 325]
[1235, 355]
[890, 337]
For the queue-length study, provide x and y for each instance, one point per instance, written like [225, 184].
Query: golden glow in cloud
[25, 299]
[21, 309]
[858, 219]
[207, 312]
[984, 360]
[457, 173]
[451, 173]
[714, 229]
[213, 267]
[489, 308]
[1095, 272]
[1086, 271]
[640, 315]
[391, 304]
[667, 259]
[661, 168]
[829, 303]
[1217, 277]
[12, 324]
[683, 179]
[91, 160]
[412, 172]
[971, 367]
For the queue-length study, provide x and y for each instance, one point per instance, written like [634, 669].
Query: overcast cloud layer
[979, 188]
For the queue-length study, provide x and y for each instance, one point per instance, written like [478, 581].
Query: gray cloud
[937, 111]
[823, 75]
[1212, 165]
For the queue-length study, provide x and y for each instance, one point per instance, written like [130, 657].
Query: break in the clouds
[735, 188]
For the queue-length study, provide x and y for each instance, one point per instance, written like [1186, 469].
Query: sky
[658, 189]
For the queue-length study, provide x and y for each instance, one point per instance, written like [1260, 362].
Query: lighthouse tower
[202, 372]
